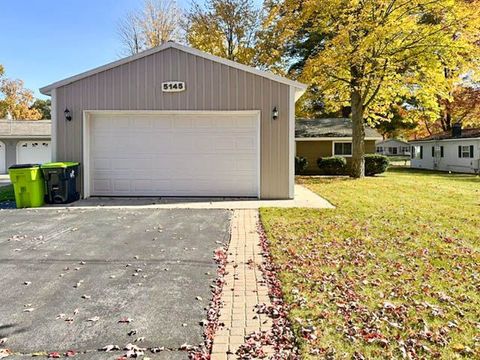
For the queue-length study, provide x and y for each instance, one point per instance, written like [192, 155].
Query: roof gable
[46, 90]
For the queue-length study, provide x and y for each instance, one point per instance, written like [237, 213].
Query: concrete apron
[304, 198]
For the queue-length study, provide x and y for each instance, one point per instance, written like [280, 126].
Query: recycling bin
[61, 182]
[28, 185]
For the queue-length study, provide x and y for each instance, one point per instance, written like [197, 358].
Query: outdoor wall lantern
[68, 115]
[275, 113]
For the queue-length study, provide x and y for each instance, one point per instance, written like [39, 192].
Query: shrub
[300, 164]
[332, 165]
[375, 164]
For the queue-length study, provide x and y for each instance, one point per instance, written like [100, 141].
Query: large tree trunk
[358, 134]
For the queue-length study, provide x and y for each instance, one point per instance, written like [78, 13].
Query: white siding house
[393, 147]
[445, 152]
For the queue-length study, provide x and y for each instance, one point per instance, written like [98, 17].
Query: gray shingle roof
[329, 127]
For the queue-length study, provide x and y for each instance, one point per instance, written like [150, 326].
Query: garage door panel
[174, 155]
[34, 152]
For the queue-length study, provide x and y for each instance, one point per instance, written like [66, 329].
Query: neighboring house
[24, 142]
[317, 138]
[175, 121]
[393, 147]
[457, 151]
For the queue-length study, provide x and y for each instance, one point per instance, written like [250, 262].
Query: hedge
[300, 164]
[332, 165]
[375, 164]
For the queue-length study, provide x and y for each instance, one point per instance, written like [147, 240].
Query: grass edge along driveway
[392, 272]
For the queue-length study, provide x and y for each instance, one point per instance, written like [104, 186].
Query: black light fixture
[275, 113]
[68, 116]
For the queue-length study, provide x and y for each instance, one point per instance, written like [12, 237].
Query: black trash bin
[61, 182]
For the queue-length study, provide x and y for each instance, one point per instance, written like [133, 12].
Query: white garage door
[34, 152]
[2, 158]
[176, 154]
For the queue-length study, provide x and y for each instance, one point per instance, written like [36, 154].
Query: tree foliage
[157, 22]
[15, 101]
[225, 28]
[372, 53]
[44, 107]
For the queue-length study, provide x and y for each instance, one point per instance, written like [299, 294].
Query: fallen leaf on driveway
[70, 353]
[157, 349]
[132, 332]
[4, 353]
[26, 283]
[109, 348]
[3, 340]
[93, 319]
[125, 320]
[54, 354]
[199, 298]
[139, 339]
[28, 310]
[60, 316]
[87, 297]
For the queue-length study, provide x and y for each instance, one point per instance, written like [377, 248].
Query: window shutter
[441, 151]
[459, 151]
[421, 152]
[412, 152]
[433, 151]
[471, 151]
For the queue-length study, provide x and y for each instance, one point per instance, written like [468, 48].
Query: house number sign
[173, 86]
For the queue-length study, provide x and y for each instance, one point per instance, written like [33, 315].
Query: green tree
[44, 107]
[225, 28]
[372, 53]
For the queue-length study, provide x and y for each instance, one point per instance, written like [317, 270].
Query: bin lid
[24, 166]
[59, 165]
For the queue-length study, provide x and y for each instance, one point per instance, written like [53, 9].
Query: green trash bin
[61, 182]
[28, 185]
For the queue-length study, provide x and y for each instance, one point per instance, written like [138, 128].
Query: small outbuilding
[319, 138]
[175, 121]
[457, 150]
[24, 142]
[393, 147]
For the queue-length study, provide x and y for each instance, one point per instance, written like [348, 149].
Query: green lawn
[393, 271]
[6, 193]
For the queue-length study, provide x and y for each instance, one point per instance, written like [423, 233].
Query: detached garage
[175, 121]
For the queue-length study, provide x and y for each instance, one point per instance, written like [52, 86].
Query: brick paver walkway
[244, 288]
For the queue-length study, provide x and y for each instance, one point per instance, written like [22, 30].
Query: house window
[417, 152]
[379, 149]
[393, 151]
[342, 149]
[465, 151]
[441, 152]
[433, 151]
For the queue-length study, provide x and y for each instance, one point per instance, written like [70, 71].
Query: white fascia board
[46, 90]
[413, 142]
[333, 139]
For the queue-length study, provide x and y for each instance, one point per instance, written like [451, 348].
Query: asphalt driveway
[69, 276]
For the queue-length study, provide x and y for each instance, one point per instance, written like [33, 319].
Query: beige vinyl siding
[209, 86]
